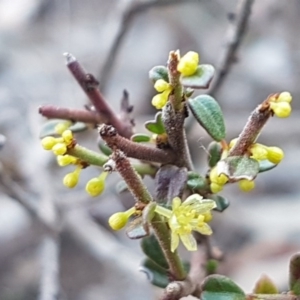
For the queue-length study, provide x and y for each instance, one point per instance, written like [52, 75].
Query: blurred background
[258, 232]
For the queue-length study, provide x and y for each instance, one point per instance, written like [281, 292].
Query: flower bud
[281, 109]
[275, 155]
[161, 85]
[246, 185]
[48, 142]
[59, 149]
[188, 64]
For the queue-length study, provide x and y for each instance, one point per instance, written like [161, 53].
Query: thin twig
[124, 16]
[89, 84]
[79, 115]
[16, 192]
[49, 286]
[235, 34]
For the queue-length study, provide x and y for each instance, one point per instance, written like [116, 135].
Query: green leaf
[209, 115]
[159, 72]
[239, 167]
[214, 153]
[265, 165]
[137, 229]
[140, 138]
[294, 274]
[48, 128]
[155, 274]
[265, 286]
[152, 249]
[218, 287]
[104, 148]
[221, 202]
[156, 125]
[78, 127]
[196, 181]
[201, 79]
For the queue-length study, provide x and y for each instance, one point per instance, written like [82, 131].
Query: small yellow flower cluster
[191, 215]
[59, 147]
[188, 64]
[164, 89]
[281, 105]
[256, 151]
[217, 181]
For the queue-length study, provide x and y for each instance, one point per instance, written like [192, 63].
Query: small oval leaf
[239, 167]
[159, 72]
[201, 79]
[48, 128]
[104, 148]
[140, 138]
[156, 125]
[155, 274]
[218, 287]
[221, 202]
[152, 249]
[137, 229]
[265, 165]
[196, 181]
[214, 153]
[209, 115]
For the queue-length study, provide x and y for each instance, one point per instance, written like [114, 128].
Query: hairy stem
[162, 234]
[132, 149]
[252, 129]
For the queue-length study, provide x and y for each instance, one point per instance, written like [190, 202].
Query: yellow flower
[186, 217]
[188, 64]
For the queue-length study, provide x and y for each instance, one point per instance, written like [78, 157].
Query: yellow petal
[203, 229]
[176, 203]
[174, 241]
[204, 206]
[189, 242]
